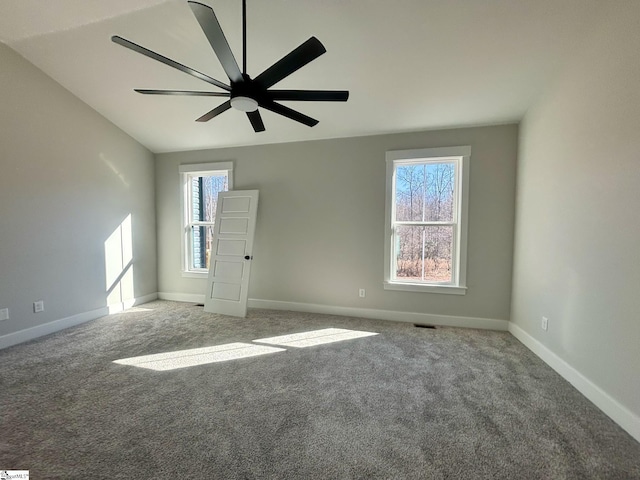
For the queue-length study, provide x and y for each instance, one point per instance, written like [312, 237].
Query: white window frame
[187, 172]
[461, 156]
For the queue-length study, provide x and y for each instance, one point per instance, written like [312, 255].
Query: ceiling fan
[245, 93]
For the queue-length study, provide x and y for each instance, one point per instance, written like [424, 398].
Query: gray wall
[578, 234]
[320, 227]
[68, 178]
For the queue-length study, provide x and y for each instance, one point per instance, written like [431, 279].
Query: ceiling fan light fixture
[244, 91]
[244, 104]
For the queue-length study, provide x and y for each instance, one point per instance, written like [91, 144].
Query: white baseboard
[601, 399]
[411, 317]
[32, 333]
[181, 297]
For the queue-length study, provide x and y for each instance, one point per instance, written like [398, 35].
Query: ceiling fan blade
[256, 121]
[289, 113]
[167, 61]
[215, 112]
[211, 28]
[298, 58]
[181, 92]
[309, 95]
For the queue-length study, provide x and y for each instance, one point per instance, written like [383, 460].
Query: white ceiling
[408, 64]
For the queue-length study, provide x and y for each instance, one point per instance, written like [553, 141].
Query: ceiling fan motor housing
[244, 95]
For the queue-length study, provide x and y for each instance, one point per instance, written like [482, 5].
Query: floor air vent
[422, 325]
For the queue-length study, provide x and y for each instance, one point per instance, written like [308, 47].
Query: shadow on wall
[114, 169]
[118, 261]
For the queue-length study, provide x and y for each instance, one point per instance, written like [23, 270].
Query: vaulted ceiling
[408, 64]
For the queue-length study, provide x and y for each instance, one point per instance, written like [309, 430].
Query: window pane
[423, 254]
[439, 192]
[410, 192]
[211, 185]
[204, 199]
[198, 236]
[201, 241]
[204, 196]
[425, 192]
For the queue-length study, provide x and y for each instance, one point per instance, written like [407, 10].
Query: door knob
[247, 257]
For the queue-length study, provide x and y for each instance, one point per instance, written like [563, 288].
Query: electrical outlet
[4, 314]
[38, 306]
[545, 323]
[362, 293]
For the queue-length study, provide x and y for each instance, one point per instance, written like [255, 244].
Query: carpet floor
[408, 403]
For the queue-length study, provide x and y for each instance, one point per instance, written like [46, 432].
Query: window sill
[195, 274]
[417, 287]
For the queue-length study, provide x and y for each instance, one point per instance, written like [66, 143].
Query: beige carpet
[405, 403]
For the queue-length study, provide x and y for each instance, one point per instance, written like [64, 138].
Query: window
[426, 220]
[200, 186]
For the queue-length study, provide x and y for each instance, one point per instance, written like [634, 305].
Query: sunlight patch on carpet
[198, 356]
[315, 337]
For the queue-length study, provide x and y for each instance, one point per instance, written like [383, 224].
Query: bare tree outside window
[424, 212]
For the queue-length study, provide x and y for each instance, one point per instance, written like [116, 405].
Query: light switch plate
[4, 314]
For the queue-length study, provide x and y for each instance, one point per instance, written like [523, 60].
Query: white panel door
[231, 253]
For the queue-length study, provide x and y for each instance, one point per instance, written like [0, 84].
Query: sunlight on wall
[198, 356]
[315, 337]
[118, 262]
